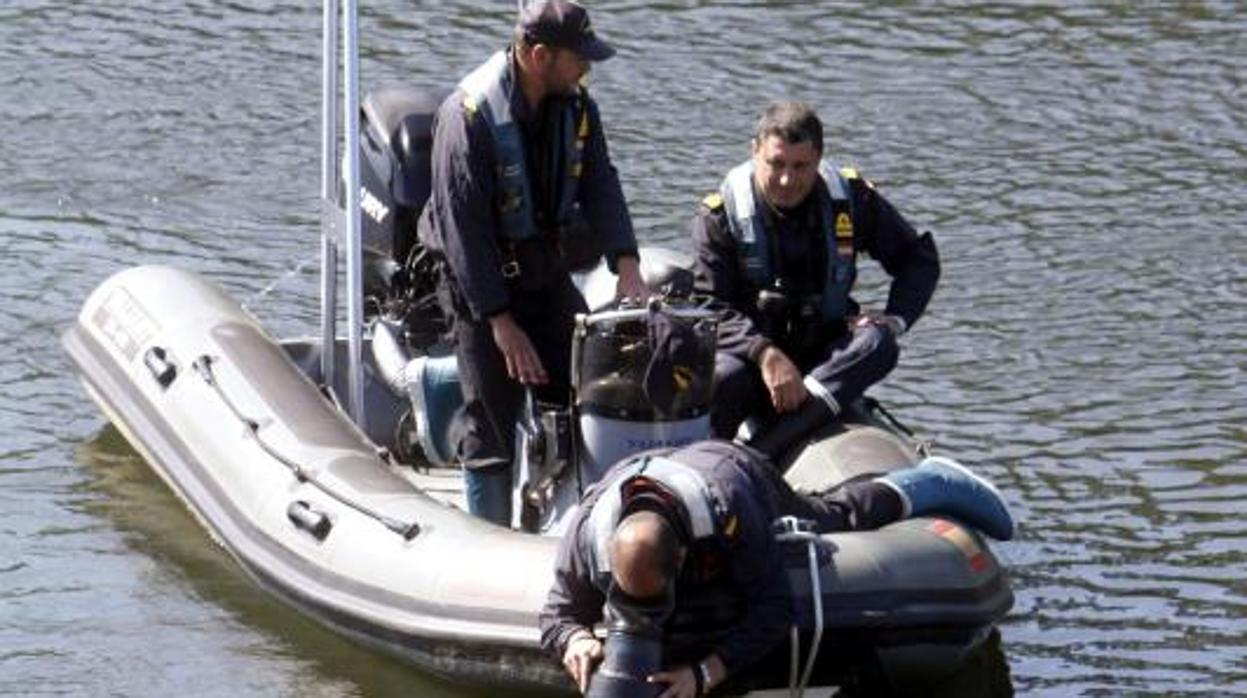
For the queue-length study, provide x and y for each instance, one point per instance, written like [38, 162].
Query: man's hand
[630, 285]
[782, 380]
[523, 363]
[583, 652]
[682, 682]
[873, 317]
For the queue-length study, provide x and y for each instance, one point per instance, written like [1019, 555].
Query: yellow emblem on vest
[849, 173]
[469, 104]
[844, 226]
[713, 201]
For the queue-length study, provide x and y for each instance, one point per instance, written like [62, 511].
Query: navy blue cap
[564, 24]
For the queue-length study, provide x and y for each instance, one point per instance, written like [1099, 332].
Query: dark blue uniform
[462, 222]
[846, 360]
[744, 555]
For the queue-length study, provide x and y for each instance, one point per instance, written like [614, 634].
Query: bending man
[661, 528]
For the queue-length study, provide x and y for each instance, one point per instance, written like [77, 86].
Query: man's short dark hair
[793, 122]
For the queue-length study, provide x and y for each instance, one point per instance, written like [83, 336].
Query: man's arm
[911, 259]
[716, 269]
[574, 604]
[462, 203]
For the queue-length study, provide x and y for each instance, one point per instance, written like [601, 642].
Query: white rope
[791, 532]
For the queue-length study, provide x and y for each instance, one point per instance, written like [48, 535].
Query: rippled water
[1082, 165]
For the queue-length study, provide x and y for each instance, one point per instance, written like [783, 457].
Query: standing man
[664, 527]
[777, 246]
[518, 149]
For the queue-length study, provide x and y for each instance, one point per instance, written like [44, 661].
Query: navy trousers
[483, 430]
[853, 362]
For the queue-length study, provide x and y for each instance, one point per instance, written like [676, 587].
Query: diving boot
[434, 390]
[943, 486]
[790, 429]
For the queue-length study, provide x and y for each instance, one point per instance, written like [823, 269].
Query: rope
[203, 366]
[922, 446]
[792, 530]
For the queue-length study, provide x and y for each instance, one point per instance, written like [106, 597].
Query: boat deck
[442, 484]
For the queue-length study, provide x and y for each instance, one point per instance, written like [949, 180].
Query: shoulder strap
[690, 486]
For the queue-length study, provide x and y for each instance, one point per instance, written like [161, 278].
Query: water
[1082, 165]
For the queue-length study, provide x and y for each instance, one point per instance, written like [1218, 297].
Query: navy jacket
[461, 219]
[879, 230]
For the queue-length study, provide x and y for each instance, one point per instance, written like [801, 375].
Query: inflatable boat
[325, 516]
[322, 464]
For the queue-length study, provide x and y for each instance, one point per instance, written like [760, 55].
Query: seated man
[669, 525]
[777, 248]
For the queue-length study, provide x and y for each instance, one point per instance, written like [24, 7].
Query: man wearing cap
[776, 246]
[667, 527]
[519, 154]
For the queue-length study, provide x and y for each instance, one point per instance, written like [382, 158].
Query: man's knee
[886, 351]
[871, 354]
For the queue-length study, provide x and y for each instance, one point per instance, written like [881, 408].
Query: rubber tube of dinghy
[631, 654]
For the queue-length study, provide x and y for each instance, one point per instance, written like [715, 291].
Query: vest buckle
[510, 270]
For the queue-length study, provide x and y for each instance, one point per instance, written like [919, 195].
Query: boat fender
[304, 517]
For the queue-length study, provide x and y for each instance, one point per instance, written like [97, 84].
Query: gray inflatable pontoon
[321, 514]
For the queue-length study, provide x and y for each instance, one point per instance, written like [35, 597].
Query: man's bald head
[645, 554]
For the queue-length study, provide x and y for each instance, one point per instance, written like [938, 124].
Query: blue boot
[435, 393]
[944, 486]
[488, 493]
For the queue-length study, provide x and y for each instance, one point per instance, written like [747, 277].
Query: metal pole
[329, 193]
[354, 237]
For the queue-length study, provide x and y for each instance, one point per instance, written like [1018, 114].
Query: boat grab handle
[792, 529]
[407, 529]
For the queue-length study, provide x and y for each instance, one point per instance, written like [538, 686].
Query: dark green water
[1083, 166]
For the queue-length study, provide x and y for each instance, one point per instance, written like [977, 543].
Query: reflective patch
[958, 536]
[713, 201]
[844, 226]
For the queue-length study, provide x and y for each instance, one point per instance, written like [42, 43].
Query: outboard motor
[396, 144]
[641, 378]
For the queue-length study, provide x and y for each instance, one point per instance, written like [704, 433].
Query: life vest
[704, 510]
[487, 94]
[748, 226]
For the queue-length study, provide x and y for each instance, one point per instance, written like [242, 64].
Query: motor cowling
[396, 144]
[643, 379]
